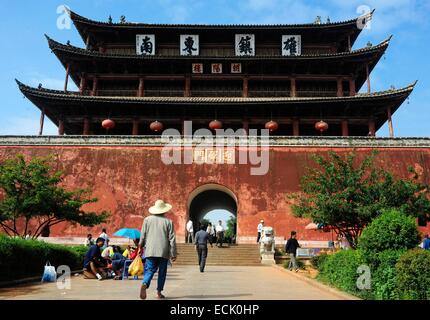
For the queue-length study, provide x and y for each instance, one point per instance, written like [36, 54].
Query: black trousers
[202, 251]
[258, 237]
[219, 238]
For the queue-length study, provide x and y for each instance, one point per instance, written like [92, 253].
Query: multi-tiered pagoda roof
[317, 82]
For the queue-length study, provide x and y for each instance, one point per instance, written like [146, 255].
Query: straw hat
[261, 221]
[160, 207]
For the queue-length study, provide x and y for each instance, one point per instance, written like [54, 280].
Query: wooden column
[94, 90]
[135, 131]
[42, 121]
[372, 128]
[245, 88]
[293, 89]
[187, 92]
[141, 91]
[86, 130]
[66, 81]
[369, 89]
[246, 126]
[390, 122]
[82, 84]
[296, 127]
[345, 128]
[340, 87]
[349, 43]
[352, 89]
[60, 127]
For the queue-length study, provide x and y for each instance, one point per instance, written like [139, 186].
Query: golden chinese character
[199, 156]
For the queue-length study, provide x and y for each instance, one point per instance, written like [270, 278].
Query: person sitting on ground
[93, 263]
[131, 252]
[426, 242]
[118, 261]
[89, 240]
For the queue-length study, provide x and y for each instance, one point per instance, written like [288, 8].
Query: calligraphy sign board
[145, 44]
[245, 45]
[189, 45]
[213, 156]
[291, 45]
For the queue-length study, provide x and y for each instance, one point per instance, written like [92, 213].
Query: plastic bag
[136, 267]
[49, 274]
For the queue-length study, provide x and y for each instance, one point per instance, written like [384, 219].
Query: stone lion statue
[267, 241]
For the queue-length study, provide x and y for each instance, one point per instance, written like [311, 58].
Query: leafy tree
[231, 227]
[346, 194]
[392, 230]
[31, 194]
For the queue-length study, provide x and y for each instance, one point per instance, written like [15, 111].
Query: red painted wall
[128, 180]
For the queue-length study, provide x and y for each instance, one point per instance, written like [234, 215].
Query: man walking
[201, 243]
[291, 249]
[219, 234]
[190, 232]
[260, 230]
[159, 242]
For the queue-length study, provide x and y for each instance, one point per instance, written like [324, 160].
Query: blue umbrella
[128, 233]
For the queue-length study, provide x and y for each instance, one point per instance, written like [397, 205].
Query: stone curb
[13, 283]
[317, 284]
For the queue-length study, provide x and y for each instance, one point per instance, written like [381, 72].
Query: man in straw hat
[158, 239]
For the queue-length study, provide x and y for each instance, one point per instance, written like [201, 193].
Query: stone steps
[238, 255]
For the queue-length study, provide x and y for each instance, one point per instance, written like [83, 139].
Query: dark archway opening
[212, 201]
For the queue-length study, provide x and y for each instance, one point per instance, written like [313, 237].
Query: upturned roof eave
[61, 95]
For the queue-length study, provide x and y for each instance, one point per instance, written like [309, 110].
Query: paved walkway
[186, 282]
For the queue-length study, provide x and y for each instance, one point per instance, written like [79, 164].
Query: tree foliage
[392, 230]
[347, 194]
[31, 192]
[231, 227]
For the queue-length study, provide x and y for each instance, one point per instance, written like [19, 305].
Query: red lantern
[108, 124]
[271, 126]
[215, 124]
[156, 126]
[321, 126]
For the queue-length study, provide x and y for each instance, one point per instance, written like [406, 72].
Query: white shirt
[190, 226]
[104, 236]
[260, 227]
[219, 228]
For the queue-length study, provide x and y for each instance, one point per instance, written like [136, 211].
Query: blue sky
[26, 56]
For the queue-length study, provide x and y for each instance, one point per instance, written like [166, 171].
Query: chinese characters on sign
[236, 68]
[197, 68]
[216, 67]
[245, 45]
[145, 44]
[189, 45]
[213, 156]
[291, 45]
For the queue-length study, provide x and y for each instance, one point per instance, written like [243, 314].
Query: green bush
[318, 261]
[392, 230]
[26, 258]
[384, 276]
[412, 275]
[340, 271]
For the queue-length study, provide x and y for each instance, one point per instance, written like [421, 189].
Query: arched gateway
[209, 197]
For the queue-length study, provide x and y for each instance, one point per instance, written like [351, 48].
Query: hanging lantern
[271, 126]
[156, 126]
[108, 124]
[321, 126]
[215, 124]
